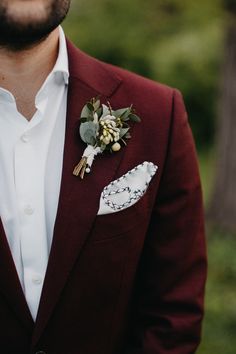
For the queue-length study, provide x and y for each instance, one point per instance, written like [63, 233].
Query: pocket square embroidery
[126, 190]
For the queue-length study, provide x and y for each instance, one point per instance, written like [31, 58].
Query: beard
[24, 24]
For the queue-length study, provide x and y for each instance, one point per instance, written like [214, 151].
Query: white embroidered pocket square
[126, 190]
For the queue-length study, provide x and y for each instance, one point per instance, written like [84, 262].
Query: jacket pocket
[109, 226]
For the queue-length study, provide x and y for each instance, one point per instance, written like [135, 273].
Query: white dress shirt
[31, 154]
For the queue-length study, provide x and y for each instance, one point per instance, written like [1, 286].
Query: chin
[27, 12]
[23, 23]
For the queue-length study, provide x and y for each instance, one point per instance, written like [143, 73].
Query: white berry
[116, 147]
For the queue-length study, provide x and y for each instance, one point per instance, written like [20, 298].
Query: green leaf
[85, 112]
[103, 147]
[125, 117]
[96, 104]
[134, 118]
[89, 137]
[99, 112]
[88, 132]
[105, 110]
[123, 131]
[120, 113]
[90, 106]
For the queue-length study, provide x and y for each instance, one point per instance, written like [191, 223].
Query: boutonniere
[102, 129]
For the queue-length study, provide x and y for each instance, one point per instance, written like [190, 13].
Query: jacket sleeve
[167, 303]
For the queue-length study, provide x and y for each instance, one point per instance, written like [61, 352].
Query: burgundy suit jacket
[131, 282]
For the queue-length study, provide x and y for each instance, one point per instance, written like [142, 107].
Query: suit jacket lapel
[78, 202]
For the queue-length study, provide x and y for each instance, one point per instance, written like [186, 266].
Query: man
[74, 280]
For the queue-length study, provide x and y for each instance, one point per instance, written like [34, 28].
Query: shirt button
[25, 138]
[28, 210]
[36, 279]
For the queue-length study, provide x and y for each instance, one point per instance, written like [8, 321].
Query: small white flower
[108, 119]
[113, 124]
[106, 140]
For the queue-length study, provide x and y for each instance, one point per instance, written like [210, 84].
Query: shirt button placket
[28, 210]
[37, 279]
[25, 138]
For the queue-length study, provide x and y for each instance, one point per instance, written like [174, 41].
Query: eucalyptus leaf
[85, 112]
[103, 147]
[99, 112]
[96, 104]
[90, 106]
[122, 112]
[125, 117]
[123, 131]
[88, 132]
[89, 137]
[134, 118]
[105, 111]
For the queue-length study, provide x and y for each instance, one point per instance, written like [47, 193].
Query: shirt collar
[60, 71]
[62, 65]
[59, 74]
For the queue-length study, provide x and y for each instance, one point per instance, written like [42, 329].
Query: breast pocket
[113, 225]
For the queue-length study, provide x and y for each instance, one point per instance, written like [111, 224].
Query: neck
[23, 73]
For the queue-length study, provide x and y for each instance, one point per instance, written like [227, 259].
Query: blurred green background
[180, 43]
